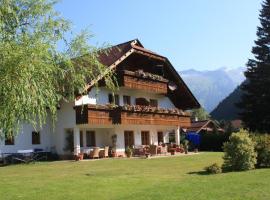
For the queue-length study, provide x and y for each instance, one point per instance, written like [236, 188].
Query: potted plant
[114, 141]
[185, 146]
[80, 156]
[129, 152]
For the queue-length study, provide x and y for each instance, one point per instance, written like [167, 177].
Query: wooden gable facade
[141, 69]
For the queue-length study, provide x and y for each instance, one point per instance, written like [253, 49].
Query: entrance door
[145, 136]
[129, 138]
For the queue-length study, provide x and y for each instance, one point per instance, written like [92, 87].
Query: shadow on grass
[199, 173]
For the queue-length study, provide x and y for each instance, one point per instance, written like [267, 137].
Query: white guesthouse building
[147, 109]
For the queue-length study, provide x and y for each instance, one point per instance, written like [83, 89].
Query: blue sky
[199, 34]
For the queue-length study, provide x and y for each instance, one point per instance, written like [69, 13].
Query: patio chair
[139, 151]
[94, 153]
[104, 153]
[153, 150]
[163, 150]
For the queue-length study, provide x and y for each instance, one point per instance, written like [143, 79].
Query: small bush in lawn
[263, 150]
[239, 152]
[213, 169]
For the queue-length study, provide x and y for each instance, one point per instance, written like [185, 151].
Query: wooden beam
[149, 55]
[110, 68]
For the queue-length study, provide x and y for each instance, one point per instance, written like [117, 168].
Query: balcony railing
[143, 81]
[138, 115]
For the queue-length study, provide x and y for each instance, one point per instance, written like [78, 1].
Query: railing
[144, 81]
[139, 115]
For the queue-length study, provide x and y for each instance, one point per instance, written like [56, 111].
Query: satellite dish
[172, 86]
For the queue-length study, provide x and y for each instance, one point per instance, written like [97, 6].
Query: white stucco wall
[66, 119]
[101, 97]
[23, 139]
[55, 138]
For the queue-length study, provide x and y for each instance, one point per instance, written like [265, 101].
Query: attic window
[159, 69]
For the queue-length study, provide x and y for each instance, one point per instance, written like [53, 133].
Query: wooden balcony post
[76, 135]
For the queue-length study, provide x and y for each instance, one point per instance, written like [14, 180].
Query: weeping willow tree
[35, 75]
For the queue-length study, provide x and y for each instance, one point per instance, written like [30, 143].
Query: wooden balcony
[103, 115]
[143, 81]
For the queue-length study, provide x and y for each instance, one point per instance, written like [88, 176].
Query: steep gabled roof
[114, 55]
[197, 126]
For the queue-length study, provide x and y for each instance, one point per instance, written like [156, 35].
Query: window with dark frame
[126, 100]
[9, 140]
[153, 103]
[129, 138]
[172, 137]
[141, 101]
[35, 137]
[81, 138]
[160, 137]
[145, 136]
[90, 139]
[113, 99]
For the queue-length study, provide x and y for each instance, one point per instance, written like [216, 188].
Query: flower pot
[114, 154]
[81, 156]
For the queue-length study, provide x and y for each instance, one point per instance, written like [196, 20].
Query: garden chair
[163, 150]
[94, 153]
[104, 153]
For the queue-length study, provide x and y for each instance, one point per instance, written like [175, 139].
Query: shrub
[263, 150]
[213, 169]
[239, 152]
[213, 141]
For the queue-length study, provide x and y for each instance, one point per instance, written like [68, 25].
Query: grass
[161, 178]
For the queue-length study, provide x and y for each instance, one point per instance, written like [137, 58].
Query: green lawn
[161, 178]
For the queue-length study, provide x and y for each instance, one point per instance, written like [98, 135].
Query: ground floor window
[172, 137]
[9, 139]
[129, 138]
[145, 138]
[35, 137]
[160, 137]
[90, 138]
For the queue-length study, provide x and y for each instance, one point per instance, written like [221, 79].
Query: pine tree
[255, 102]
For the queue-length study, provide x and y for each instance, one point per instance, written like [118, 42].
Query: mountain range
[210, 87]
[227, 109]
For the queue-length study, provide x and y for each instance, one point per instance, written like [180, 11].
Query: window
[145, 138]
[113, 99]
[142, 101]
[153, 103]
[172, 138]
[35, 137]
[90, 138]
[9, 140]
[81, 139]
[129, 138]
[160, 137]
[126, 100]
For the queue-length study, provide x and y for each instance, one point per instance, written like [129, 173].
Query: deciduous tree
[35, 73]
